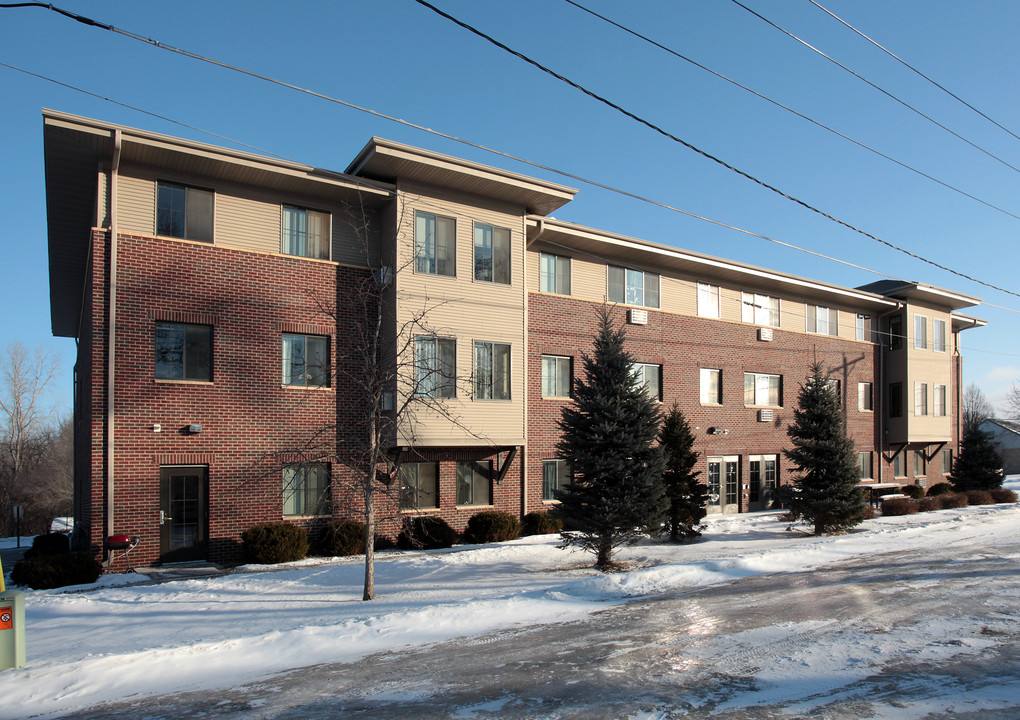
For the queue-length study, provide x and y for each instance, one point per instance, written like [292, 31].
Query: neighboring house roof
[1009, 425]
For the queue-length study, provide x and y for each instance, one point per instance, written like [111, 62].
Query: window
[864, 331]
[492, 371]
[821, 320]
[762, 390]
[759, 309]
[435, 367]
[554, 274]
[920, 332]
[183, 352]
[555, 376]
[899, 464]
[920, 399]
[555, 476]
[305, 233]
[435, 244]
[947, 461]
[711, 386]
[419, 488]
[939, 401]
[492, 254]
[896, 332]
[306, 489]
[938, 335]
[474, 482]
[708, 300]
[865, 396]
[306, 360]
[650, 378]
[184, 212]
[920, 464]
[895, 400]
[864, 465]
[633, 287]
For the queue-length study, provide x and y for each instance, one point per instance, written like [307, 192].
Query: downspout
[111, 325]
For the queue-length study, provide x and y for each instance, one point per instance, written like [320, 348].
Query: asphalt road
[796, 645]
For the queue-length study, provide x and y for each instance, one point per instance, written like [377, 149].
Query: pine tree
[687, 497]
[827, 492]
[609, 438]
[978, 466]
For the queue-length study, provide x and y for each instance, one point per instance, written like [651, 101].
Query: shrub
[979, 497]
[955, 500]
[912, 491]
[276, 542]
[930, 502]
[942, 488]
[384, 542]
[870, 513]
[341, 538]
[539, 523]
[43, 572]
[49, 544]
[899, 506]
[1002, 495]
[426, 532]
[492, 526]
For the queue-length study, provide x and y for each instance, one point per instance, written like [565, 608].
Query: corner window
[864, 328]
[648, 377]
[865, 396]
[419, 486]
[939, 401]
[896, 332]
[306, 360]
[711, 386]
[555, 376]
[920, 332]
[708, 301]
[938, 335]
[895, 400]
[492, 254]
[474, 482]
[864, 465]
[555, 476]
[762, 390]
[306, 489]
[821, 320]
[183, 352]
[920, 399]
[633, 287]
[492, 371]
[305, 233]
[184, 212]
[435, 244]
[435, 367]
[554, 274]
[759, 309]
[947, 461]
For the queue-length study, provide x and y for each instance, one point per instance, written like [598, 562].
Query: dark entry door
[183, 514]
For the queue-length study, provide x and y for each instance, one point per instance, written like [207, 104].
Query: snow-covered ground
[116, 640]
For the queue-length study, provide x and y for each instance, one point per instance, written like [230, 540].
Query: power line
[789, 109]
[903, 62]
[888, 94]
[484, 148]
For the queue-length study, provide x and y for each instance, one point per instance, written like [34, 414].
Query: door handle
[163, 517]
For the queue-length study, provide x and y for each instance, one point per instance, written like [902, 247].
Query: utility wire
[500, 153]
[903, 62]
[801, 115]
[888, 94]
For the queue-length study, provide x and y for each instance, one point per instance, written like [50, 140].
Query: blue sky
[399, 58]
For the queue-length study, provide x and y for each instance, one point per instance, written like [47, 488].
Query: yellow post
[3, 585]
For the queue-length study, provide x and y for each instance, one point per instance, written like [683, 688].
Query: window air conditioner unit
[386, 402]
[765, 334]
[638, 317]
[766, 415]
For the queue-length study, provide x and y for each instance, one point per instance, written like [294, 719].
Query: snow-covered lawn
[115, 640]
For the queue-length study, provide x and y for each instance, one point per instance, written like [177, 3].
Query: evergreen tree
[687, 497]
[609, 438]
[978, 466]
[827, 492]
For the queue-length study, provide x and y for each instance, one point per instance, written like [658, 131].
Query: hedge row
[943, 501]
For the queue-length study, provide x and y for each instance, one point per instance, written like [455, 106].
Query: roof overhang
[965, 322]
[391, 161]
[923, 293]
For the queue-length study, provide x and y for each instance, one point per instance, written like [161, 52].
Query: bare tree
[1013, 400]
[976, 408]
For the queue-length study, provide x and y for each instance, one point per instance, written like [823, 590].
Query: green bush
[539, 523]
[426, 532]
[955, 500]
[276, 542]
[913, 491]
[930, 502]
[43, 572]
[49, 544]
[942, 488]
[1002, 495]
[341, 538]
[899, 506]
[492, 526]
[979, 497]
